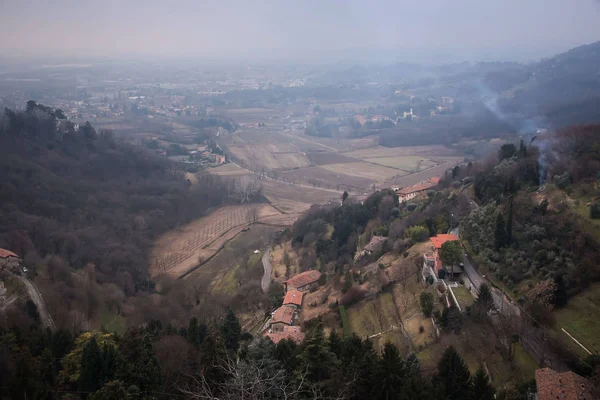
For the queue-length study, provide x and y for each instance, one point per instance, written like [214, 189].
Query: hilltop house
[552, 385]
[282, 317]
[303, 281]
[8, 259]
[433, 265]
[410, 192]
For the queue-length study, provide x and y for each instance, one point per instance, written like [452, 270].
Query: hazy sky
[271, 29]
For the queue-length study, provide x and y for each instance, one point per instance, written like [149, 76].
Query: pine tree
[212, 354]
[453, 378]
[113, 390]
[231, 331]
[109, 362]
[484, 303]
[140, 366]
[91, 369]
[366, 367]
[500, 233]
[509, 222]
[389, 374]
[335, 343]
[482, 390]
[316, 359]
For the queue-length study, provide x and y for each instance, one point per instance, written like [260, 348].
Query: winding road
[38, 300]
[266, 262]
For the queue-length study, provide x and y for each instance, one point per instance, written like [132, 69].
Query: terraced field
[179, 250]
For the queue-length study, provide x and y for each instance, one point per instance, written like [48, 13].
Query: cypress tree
[509, 222]
[193, 332]
[453, 378]
[231, 331]
[482, 390]
[500, 233]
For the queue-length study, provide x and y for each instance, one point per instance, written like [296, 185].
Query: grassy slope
[580, 319]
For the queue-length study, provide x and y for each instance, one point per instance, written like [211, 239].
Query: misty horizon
[310, 32]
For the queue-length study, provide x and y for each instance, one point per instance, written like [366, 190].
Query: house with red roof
[8, 259]
[433, 265]
[283, 316]
[303, 281]
[293, 297]
[410, 192]
[552, 385]
[293, 333]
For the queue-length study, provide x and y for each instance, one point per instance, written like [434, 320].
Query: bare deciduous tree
[246, 187]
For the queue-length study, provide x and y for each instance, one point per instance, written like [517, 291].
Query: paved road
[533, 339]
[36, 297]
[266, 262]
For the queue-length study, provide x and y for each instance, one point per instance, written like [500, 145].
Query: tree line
[216, 360]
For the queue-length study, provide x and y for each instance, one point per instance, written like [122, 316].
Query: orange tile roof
[293, 296]
[289, 332]
[442, 238]
[564, 386]
[304, 278]
[283, 314]
[417, 188]
[7, 253]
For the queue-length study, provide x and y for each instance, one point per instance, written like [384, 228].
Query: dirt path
[36, 297]
[266, 262]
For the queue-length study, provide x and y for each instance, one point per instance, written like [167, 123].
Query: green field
[373, 316]
[580, 319]
[464, 297]
[525, 362]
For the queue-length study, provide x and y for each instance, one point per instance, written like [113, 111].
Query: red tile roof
[419, 187]
[7, 253]
[564, 386]
[440, 239]
[304, 278]
[283, 314]
[293, 296]
[289, 332]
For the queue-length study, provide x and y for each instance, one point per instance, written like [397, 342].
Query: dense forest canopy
[528, 229]
[80, 200]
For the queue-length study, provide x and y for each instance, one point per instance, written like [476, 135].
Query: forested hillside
[536, 224]
[82, 208]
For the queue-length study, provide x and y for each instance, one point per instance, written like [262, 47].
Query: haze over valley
[230, 200]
